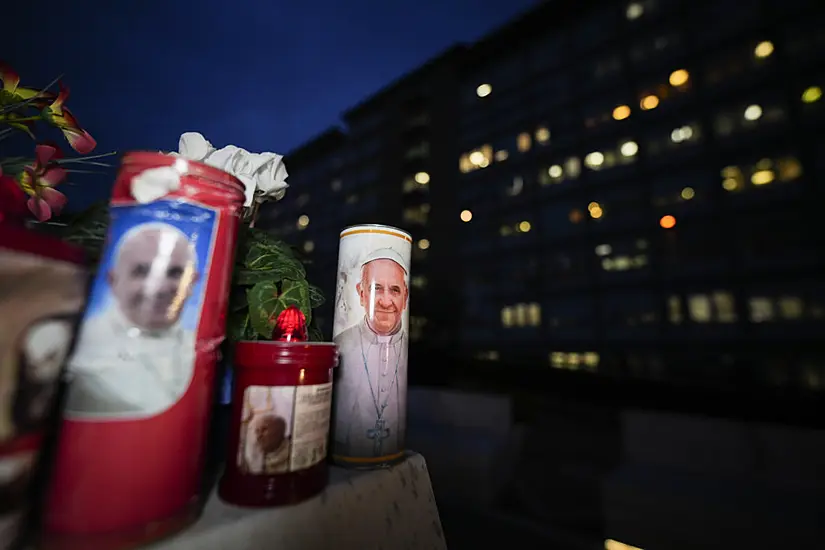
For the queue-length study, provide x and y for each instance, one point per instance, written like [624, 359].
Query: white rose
[194, 146]
[263, 174]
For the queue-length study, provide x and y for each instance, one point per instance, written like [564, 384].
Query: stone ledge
[392, 508]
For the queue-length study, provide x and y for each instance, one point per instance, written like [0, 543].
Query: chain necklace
[379, 410]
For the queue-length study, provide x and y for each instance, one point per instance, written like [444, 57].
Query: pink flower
[39, 181]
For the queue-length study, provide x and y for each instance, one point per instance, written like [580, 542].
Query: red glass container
[137, 413]
[43, 284]
[280, 423]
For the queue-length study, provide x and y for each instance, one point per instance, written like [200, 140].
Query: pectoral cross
[378, 434]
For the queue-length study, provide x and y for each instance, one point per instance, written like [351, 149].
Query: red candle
[138, 406]
[280, 417]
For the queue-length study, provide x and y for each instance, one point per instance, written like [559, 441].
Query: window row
[633, 314]
[726, 123]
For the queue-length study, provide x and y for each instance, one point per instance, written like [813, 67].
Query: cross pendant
[378, 434]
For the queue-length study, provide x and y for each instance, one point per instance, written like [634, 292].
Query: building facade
[623, 188]
[639, 185]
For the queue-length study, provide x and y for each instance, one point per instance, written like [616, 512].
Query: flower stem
[21, 119]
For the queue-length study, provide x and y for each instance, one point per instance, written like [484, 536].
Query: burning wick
[291, 326]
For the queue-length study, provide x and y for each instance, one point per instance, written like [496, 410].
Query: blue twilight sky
[264, 75]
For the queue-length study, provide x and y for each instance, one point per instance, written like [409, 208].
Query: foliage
[29, 183]
[269, 276]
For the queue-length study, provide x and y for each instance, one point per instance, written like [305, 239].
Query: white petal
[194, 146]
[155, 183]
[249, 188]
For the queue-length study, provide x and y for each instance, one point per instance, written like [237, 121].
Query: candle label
[371, 328]
[283, 428]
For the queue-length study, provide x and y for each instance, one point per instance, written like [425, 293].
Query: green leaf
[266, 303]
[257, 236]
[277, 273]
[314, 334]
[316, 297]
[265, 257]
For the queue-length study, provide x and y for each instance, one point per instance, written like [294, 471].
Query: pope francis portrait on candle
[133, 357]
[370, 407]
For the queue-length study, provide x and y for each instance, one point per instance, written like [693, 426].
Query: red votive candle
[280, 422]
[136, 417]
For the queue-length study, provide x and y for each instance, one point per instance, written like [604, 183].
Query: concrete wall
[653, 480]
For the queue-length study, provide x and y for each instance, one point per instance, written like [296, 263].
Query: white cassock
[118, 370]
[370, 395]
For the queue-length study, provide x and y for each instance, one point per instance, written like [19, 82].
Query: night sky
[266, 76]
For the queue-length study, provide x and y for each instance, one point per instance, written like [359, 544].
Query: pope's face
[270, 431]
[153, 277]
[383, 295]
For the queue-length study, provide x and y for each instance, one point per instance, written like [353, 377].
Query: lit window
[484, 90]
[649, 102]
[604, 250]
[303, 221]
[791, 307]
[812, 94]
[762, 177]
[621, 112]
[423, 244]
[521, 314]
[534, 314]
[524, 227]
[523, 142]
[732, 178]
[678, 78]
[501, 155]
[634, 11]
[667, 222]
[480, 158]
[629, 148]
[309, 246]
[700, 308]
[466, 216]
[753, 112]
[594, 159]
[507, 317]
[685, 133]
[763, 49]
[422, 178]
[761, 309]
[725, 307]
[573, 167]
[542, 135]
